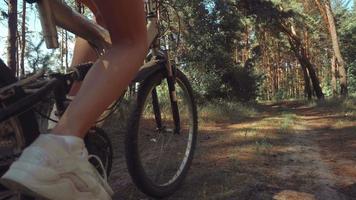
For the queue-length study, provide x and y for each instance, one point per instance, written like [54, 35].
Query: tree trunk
[245, 50]
[12, 43]
[333, 76]
[18, 47]
[23, 39]
[302, 55]
[336, 49]
[314, 78]
[307, 88]
[66, 52]
[62, 48]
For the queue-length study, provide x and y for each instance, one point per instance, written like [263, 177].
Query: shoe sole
[19, 180]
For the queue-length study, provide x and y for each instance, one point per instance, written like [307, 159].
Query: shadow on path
[290, 151]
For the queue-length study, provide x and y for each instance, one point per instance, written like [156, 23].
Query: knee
[137, 44]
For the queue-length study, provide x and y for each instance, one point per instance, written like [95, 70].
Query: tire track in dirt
[307, 161]
[287, 152]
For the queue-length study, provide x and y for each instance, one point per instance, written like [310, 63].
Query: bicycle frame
[56, 13]
[67, 18]
[35, 88]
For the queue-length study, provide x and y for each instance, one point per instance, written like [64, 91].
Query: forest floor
[286, 151]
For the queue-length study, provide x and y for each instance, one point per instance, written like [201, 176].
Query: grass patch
[287, 123]
[339, 124]
[345, 105]
[248, 132]
[263, 146]
[224, 110]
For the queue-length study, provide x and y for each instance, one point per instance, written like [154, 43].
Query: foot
[57, 167]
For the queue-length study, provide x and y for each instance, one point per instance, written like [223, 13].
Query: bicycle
[164, 110]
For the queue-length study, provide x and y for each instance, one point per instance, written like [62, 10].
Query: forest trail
[288, 151]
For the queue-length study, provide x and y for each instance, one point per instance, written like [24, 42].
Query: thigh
[125, 19]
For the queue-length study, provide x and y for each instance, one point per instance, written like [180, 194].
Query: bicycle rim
[162, 157]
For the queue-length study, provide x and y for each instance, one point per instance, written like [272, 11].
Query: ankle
[75, 145]
[61, 131]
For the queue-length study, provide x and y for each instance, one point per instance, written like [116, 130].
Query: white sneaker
[57, 167]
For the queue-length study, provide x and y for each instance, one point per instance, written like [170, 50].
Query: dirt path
[288, 151]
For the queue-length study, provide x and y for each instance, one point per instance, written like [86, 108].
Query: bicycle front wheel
[158, 158]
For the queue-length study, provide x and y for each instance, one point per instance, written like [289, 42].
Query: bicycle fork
[173, 100]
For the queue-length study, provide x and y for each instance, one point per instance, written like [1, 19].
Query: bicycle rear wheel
[15, 133]
[158, 159]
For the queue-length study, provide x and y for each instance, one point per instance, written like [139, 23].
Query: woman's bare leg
[112, 72]
[83, 53]
[56, 165]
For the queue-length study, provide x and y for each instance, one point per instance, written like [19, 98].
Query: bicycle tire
[99, 143]
[25, 123]
[135, 167]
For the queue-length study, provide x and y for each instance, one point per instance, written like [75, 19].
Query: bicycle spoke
[164, 157]
[162, 169]
[159, 159]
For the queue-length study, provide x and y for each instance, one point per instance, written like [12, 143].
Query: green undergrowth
[287, 122]
[225, 110]
[345, 105]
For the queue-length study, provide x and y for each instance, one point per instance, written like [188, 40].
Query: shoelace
[101, 165]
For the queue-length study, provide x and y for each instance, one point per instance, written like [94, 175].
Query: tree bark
[245, 50]
[336, 49]
[18, 46]
[314, 78]
[12, 35]
[66, 52]
[23, 39]
[62, 48]
[307, 88]
[302, 56]
[333, 76]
